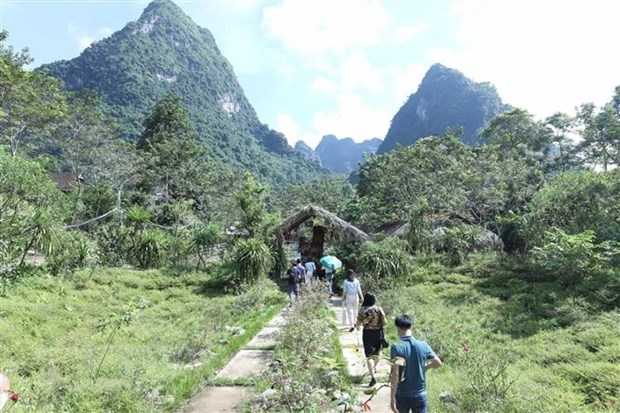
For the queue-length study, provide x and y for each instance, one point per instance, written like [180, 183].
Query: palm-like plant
[203, 239]
[252, 258]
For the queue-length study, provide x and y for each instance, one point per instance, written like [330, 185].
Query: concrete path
[248, 363]
[353, 352]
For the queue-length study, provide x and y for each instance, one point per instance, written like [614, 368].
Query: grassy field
[511, 341]
[122, 340]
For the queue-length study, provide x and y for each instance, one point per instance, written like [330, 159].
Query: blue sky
[314, 67]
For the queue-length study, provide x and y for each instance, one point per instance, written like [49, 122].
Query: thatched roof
[485, 240]
[66, 181]
[345, 230]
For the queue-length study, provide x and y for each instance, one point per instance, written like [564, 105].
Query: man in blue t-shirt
[409, 395]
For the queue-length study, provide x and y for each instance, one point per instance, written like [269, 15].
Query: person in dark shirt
[293, 280]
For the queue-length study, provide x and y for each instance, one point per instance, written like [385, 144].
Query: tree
[562, 125]
[170, 151]
[31, 211]
[576, 202]
[600, 145]
[251, 199]
[30, 101]
[516, 134]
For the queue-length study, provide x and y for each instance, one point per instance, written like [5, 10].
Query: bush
[309, 369]
[573, 258]
[250, 259]
[387, 258]
[150, 247]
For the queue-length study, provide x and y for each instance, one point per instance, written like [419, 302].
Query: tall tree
[170, 151]
[30, 101]
[562, 126]
[600, 145]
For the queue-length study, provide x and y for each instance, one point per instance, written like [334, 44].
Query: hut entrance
[322, 223]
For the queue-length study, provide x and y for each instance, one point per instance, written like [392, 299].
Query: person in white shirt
[351, 297]
[310, 270]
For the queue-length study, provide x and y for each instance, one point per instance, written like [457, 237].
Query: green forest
[123, 259]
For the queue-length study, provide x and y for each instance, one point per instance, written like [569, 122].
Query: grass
[531, 348]
[50, 345]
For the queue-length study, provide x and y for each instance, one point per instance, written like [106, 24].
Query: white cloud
[288, 126]
[353, 119]
[406, 80]
[314, 27]
[357, 72]
[322, 84]
[543, 56]
[83, 38]
[406, 33]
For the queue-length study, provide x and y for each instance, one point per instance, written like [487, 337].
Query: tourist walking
[409, 395]
[372, 318]
[301, 271]
[329, 279]
[310, 267]
[351, 297]
[292, 281]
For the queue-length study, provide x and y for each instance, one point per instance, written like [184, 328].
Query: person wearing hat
[351, 297]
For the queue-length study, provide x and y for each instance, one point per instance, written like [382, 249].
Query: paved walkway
[248, 363]
[353, 352]
[252, 361]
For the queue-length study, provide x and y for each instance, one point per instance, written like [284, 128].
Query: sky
[345, 67]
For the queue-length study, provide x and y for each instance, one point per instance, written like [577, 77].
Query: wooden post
[318, 242]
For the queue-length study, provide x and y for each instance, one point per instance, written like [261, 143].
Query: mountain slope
[445, 99]
[163, 52]
[339, 155]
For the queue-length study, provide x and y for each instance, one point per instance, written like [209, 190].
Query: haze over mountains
[445, 99]
[339, 155]
[164, 52]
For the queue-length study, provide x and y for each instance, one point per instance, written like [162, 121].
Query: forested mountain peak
[446, 98]
[164, 52]
[339, 155]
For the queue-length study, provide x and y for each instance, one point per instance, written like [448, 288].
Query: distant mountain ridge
[339, 155]
[445, 99]
[164, 52]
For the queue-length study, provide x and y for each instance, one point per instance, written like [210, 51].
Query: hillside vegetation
[123, 261]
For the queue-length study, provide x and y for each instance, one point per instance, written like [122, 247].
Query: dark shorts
[372, 342]
[411, 404]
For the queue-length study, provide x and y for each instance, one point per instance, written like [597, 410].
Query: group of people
[407, 378]
[410, 358]
[306, 272]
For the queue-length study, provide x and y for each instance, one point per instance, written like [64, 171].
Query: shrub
[250, 259]
[385, 259]
[573, 258]
[309, 369]
[150, 247]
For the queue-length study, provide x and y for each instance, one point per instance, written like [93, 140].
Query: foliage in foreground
[121, 340]
[309, 369]
[512, 339]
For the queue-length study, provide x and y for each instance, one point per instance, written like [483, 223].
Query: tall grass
[49, 343]
[509, 344]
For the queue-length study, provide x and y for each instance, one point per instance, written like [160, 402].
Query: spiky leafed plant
[251, 259]
[203, 239]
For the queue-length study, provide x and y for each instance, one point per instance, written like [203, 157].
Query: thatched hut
[321, 221]
[480, 239]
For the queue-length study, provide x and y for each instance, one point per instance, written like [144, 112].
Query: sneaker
[373, 381]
